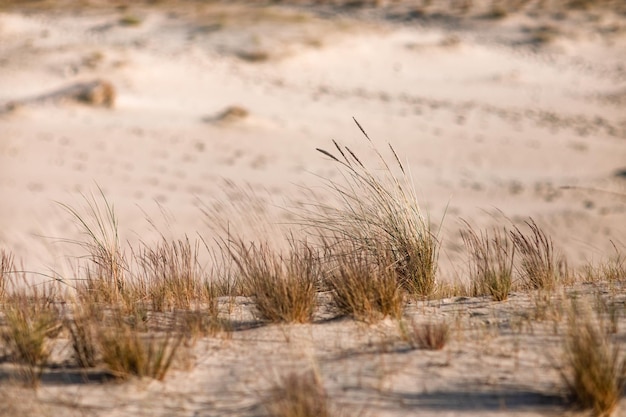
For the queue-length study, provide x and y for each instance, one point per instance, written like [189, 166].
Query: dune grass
[379, 213]
[432, 335]
[299, 395]
[127, 351]
[32, 319]
[540, 267]
[594, 369]
[283, 286]
[364, 286]
[491, 262]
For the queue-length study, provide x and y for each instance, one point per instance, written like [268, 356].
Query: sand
[497, 119]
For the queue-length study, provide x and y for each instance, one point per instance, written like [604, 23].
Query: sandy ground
[511, 118]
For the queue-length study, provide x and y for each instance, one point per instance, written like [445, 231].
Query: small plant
[82, 328]
[381, 215]
[7, 267]
[130, 20]
[432, 336]
[299, 395]
[127, 352]
[284, 288]
[105, 276]
[491, 266]
[364, 285]
[171, 275]
[594, 369]
[540, 268]
[31, 319]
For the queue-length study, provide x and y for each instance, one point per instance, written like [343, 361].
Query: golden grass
[127, 351]
[540, 267]
[491, 262]
[432, 336]
[32, 319]
[299, 395]
[380, 214]
[283, 286]
[363, 285]
[594, 366]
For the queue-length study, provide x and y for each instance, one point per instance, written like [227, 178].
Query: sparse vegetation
[364, 285]
[381, 215]
[127, 351]
[540, 268]
[31, 320]
[283, 287]
[432, 335]
[491, 262]
[299, 395]
[594, 367]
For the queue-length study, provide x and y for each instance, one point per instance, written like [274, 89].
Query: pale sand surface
[491, 124]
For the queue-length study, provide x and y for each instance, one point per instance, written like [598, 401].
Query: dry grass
[299, 395]
[105, 278]
[432, 336]
[83, 328]
[171, 275]
[491, 262]
[380, 214]
[7, 268]
[594, 368]
[364, 285]
[540, 268]
[127, 351]
[32, 319]
[283, 287]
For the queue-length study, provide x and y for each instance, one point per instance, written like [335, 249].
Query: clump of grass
[171, 275]
[31, 320]
[82, 328]
[594, 369]
[299, 395]
[615, 268]
[540, 267]
[130, 20]
[432, 335]
[491, 262]
[106, 276]
[126, 351]
[381, 214]
[283, 287]
[364, 285]
[7, 267]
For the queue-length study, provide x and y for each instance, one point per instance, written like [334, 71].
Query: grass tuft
[299, 395]
[126, 351]
[171, 275]
[491, 262]
[432, 336]
[380, 214]
[540, 267]
[595, 371]
[7, 267]
[283, 287]
[31, 320]
[364, 286]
